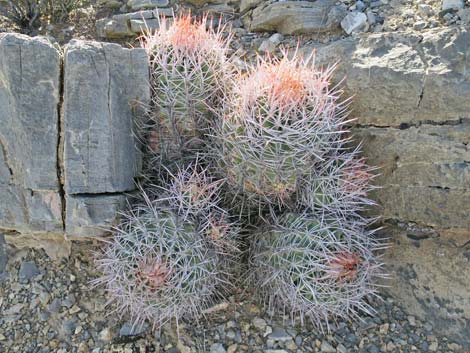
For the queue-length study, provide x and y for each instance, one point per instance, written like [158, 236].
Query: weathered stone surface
[404, 78]
[452, 5]
[29, 185]
[25, 210]
[246, 5]
[102, 84]
[292, 17]
[430, 276]
[146, 4]
[128, 24]
[139, 26]
[354, 22]
[92, 215]
[111, 28]
[425, 173]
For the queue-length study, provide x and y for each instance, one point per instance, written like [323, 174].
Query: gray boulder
[104, 85]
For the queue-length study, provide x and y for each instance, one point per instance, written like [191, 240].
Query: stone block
[92, 215]
[104, 85]
[29, 134]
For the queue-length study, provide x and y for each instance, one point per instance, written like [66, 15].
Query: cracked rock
[29, 185]
[292, 17]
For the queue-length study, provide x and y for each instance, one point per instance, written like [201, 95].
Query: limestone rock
[128, 24]
[424, 173]
[139, 26]
[291, 17]
[92, 215]
[111, 28]
[409, 100]
[29, 185]
[354, 22]
[146, 4]
[452, 5]
[404, 78]
[430, 279]
[246, 5]
[102, 84]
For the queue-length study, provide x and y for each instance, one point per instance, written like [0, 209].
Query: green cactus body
[171, 256]
[313, 266]
[277, 122]
[160, 267]
[188, 65]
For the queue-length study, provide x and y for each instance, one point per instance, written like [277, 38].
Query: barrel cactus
[188, 65]
[278, 121]
[314, 267]
[170, 257]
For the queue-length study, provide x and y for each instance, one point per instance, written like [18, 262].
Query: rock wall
[413, 115]
[411, 104]
[68, 154]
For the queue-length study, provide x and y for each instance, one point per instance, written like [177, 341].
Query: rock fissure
[3, 148]
[408, 125]
[60, 142]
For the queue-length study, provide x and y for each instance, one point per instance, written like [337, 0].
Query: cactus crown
[277, 122]
[286, 83]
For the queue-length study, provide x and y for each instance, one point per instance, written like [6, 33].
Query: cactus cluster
[282, 146]
[268, 148]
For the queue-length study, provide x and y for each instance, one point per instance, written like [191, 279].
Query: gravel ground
[48, 306]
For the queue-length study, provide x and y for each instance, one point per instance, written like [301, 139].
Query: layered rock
[404, 78]
[293, 17]
[92, 215]
[411, 104]
[409, 101]
[131, 24]
[29, 125]
[104, 84]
